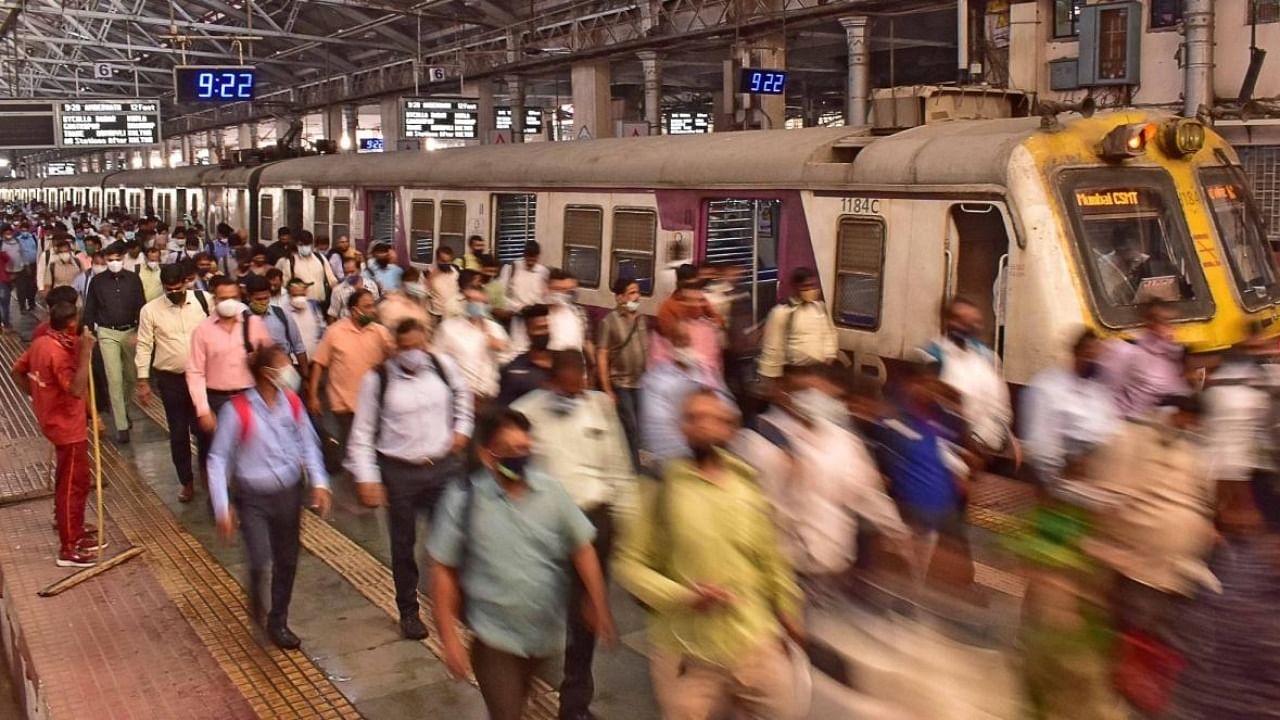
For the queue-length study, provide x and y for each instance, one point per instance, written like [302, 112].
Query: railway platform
[167, 634]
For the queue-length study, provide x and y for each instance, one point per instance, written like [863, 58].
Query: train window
[320, 213]
[1134, 243]
[422, 224]
[517, 221]
[859, 270]
[266, 218]
[453, 226]
[341, 218]
[1242, 236]
[583, 235]
[635, 238]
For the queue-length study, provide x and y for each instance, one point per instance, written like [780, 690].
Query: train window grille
[341, 218]
[453, 226]
[744, 234]
[422, 222]
[635, 238]
[1166, 13]
[1265, 11]
[1262, 165]
[320, 219]
[583, 235]
[859, 271]
[266, 218]
[516, 224]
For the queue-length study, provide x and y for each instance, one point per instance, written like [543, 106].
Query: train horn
[1049, 108]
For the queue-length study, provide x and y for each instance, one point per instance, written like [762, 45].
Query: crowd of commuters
[725, 472]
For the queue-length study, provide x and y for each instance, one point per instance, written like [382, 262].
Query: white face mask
[228, 308]
[115, 266]
[64, 256]
[633, 305]
[817, 405]
[286, 378]
[153, 265]
[299, 302]
[99, 269]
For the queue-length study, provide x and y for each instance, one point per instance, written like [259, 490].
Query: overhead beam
[75, 42]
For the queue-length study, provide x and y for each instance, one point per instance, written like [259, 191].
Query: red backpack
[241, 405]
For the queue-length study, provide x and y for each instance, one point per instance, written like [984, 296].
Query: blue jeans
[5, 290]
[629, 416]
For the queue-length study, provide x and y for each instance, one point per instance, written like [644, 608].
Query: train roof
[77, 180]
[164, 177]
[952, 152]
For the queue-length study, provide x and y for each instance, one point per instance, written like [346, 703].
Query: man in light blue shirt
[504, 541]
[282, 328]
[381, 271]
[664, 388]
[265, 441]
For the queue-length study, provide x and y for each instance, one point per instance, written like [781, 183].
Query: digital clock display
[214, 83]
[759, 81]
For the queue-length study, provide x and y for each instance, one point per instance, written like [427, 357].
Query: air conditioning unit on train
[899, 108]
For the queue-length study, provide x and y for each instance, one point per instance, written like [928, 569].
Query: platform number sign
[214, 84]
[102, 71]
[762, 81]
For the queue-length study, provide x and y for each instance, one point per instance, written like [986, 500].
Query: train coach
[1046, 223]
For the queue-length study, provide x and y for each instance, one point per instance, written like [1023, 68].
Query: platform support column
[592, 100]
[389, 110]
[247, 136]
[858, 83]
[652, 69]
[481, 90]
[1028, 38]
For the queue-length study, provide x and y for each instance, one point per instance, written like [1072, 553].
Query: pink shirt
[704, 339]
[218, 360]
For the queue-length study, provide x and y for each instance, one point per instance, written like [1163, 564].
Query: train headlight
[1126, 141]
[1182, 137]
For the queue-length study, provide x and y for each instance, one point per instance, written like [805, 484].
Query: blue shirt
[277, 448]
[387, 277]
[908, 449]
[515, 559]
[284, 331]
[664, 389]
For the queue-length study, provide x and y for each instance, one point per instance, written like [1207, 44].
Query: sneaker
[411, 628]
[89, 543]
[77, 558]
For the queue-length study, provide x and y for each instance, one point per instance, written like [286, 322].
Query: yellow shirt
[164, 333]
[692, 530]
[152, 288]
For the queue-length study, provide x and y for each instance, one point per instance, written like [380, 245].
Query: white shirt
[313, 270]
[818, 488]
[1064, 416]
[974, 371]
[310, 325]
[524, 286]
[568, 328]
[442, 288]
[468, 344]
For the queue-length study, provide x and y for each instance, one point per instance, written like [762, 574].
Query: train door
[745, 234]
[381, 217]
[293, 210]
[978, 244]
[149, 201]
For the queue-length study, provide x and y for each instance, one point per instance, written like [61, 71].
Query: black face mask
[703, 453]
[539, 342]
[445, 267]
[177, 297]
[1091, 370]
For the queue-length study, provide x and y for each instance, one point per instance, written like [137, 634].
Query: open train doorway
[293, 211]
[381, 227]
[744, 234]
[979, 249]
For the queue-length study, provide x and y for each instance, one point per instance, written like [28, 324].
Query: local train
[1047, 223]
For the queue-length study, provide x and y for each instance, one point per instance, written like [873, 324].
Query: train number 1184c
[860, 205]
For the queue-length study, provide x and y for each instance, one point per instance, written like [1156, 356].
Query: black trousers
[24, 283]
[180, 414]
[411, 489]
[578, 686]
[269, 524]
[101, 397]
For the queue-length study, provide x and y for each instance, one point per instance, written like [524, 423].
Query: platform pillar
[389, 110]
[592, 100]
[247, 136]
[481, 90]
[652, 69]
[857, 107]
[1028, 39]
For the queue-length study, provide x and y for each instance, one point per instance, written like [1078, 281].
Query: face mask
[99, 269]
[810, 295]
[299, 302]
[202, 271]
[415, 290]
[703, 453]
[286, 378]
[259, 308]
[177, 297]
[539, 342]
[513, 467]
[153, 265]
[445, 267]
[352, 279]
[477, 310]
[632, 306]
[304, 250]
[362, 320]
[411, 361]
[562, 405]
[64, 256]
[128, 234]
[228, 308]
[817, 405]
[958, 336]
[1091, 370]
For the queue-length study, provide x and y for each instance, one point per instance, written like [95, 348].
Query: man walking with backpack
[165, 328]
[281, 326]
[218, 363]
[502, 544]
[413, 418]
[265, 441]
[305, 264]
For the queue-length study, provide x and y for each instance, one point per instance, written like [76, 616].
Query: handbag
[1147, 671]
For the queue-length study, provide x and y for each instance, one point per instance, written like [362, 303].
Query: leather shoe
[411, 628]
[283, 637]
[187, 493]
[122, 437]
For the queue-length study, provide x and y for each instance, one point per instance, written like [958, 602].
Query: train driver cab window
[635, 238]
[583, 234]
[320, 217]
[341, 218]
[422, 224]
[1242, 236]
[1134, 243]
[266, 219]
[859, 269]
[453, 226]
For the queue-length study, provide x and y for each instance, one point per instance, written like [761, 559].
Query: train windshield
[1134, 243]
[1253, 265]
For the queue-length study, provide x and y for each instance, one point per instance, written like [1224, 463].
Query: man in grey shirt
[413, 420]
